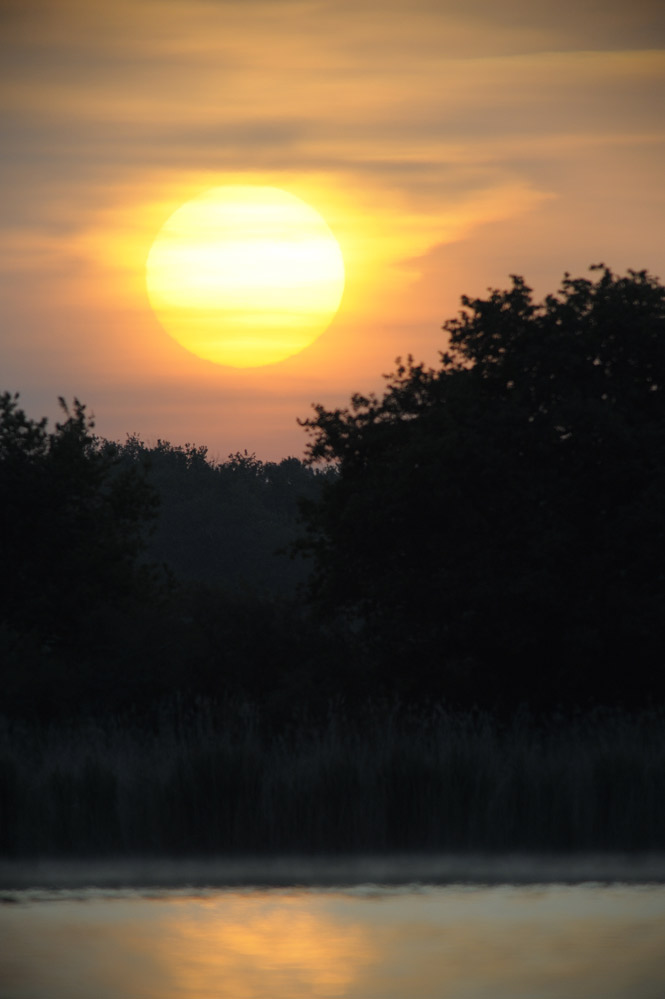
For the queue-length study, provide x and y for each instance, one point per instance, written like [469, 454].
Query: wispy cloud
[459, 134]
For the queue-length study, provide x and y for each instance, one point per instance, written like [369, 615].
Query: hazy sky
[448, 144]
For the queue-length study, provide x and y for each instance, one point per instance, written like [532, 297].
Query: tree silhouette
[496, 530]
[72, 523]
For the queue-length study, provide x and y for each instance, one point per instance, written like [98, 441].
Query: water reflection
[546, 942]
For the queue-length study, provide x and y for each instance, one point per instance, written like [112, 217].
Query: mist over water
[313, 928]
[40, 877]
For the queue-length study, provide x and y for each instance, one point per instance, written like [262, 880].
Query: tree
[72, 524]
[224, 523]
[496, 530]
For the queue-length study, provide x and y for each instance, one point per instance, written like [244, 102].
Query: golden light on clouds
[446, 145]
[245, 275]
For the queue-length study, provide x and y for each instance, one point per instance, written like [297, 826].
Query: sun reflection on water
[232, 947]
[480, 942]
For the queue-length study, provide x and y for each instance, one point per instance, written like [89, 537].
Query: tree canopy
[73, 523]
[224, 523]
[134, 573]
[496, 531]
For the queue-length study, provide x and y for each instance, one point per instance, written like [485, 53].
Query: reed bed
[215, 782]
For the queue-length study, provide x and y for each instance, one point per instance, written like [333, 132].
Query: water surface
[362, 941]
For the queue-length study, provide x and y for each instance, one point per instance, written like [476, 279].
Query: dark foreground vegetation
[488, 536]
[216, 782]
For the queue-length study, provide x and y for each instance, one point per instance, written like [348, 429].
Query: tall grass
[214, 782]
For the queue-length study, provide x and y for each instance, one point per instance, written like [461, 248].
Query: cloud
[447, 142]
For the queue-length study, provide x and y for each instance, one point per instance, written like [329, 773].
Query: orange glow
[473, 941]
[446, 146]
[241, 941]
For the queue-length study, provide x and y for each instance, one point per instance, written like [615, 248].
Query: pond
[404, 937]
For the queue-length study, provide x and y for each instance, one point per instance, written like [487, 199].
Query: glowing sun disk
[245, 276]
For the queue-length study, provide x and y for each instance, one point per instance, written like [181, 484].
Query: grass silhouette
[213, 781]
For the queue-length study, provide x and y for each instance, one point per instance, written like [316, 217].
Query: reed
[215, 781]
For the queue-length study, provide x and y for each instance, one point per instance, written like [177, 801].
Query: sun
[245, 275]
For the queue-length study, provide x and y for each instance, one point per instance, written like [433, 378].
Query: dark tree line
[224, 523]
[73, 525]
[134, 573]
[490, 531]
[497, 529]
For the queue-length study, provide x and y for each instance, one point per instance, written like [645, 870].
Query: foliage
[72, 525]
[497, 522]
[88, 625]
[225, 523]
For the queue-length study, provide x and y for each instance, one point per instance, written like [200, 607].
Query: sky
[447, 143]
